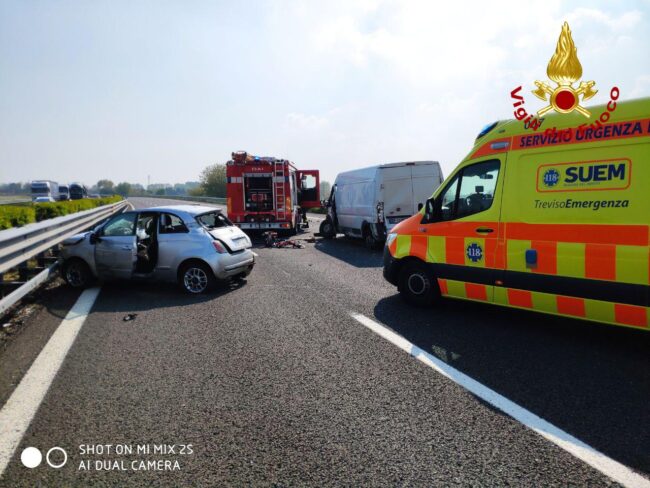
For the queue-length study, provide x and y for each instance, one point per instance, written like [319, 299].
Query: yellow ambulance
[555, 220]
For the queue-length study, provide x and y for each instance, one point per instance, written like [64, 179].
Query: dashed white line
[18, 412]
[255, 254]
[597, 460]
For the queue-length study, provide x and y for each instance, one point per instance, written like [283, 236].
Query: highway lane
[273, 382]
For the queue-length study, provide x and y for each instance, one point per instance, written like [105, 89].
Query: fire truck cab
[266, 193]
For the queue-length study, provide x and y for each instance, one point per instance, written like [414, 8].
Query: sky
[132, 90]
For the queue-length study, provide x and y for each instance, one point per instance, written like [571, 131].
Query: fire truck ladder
[280, 190]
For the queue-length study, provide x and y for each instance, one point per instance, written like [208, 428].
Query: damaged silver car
[194, 245]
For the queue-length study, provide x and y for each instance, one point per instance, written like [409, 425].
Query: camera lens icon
[56, 457]
[31, 457]
[49, 459]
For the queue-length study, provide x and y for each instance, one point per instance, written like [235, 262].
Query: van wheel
[77, 273]
[372, 243]
[326, 229]
[417, 285]
[196, 277]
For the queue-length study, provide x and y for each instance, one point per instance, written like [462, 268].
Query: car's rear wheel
[417, 285]
[77, 273]
[196, 277]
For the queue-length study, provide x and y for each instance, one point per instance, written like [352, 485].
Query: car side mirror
[93, 238]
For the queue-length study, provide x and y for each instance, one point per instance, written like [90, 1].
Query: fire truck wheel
[326, 229]
[417, 285]
[294, 230]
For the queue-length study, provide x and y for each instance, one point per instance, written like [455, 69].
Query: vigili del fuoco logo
[564, 70]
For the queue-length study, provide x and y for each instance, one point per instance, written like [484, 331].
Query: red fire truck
[269, 193]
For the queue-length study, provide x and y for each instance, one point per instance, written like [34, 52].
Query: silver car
[193, 245]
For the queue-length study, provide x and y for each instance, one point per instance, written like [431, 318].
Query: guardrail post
[23, 270]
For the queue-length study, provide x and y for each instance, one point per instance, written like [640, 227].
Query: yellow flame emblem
[564, 69]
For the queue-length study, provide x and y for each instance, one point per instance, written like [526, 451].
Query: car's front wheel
[196, 277]
[77, 273]
[417, 285]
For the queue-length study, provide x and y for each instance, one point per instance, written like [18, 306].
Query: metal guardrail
[20, 244]
[213, 200]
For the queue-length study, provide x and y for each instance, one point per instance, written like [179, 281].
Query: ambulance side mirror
[429, 211]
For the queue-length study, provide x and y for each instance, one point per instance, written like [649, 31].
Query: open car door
[115, 247]
[308, 188]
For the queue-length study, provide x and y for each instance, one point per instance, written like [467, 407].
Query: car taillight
[219, 247]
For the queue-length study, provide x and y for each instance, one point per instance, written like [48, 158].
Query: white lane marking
[18, 412]
[255, 254]
[597, 460]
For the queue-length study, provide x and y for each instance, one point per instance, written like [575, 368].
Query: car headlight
[390, 238]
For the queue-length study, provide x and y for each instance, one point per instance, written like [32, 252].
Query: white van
[369, 201]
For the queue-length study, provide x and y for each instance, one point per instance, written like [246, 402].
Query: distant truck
[64, 193]
[45, 188]
[368, 202]
[78, 191]
[267, 193]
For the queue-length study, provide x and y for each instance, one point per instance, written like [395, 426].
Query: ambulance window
[477, 185]
[448, 200]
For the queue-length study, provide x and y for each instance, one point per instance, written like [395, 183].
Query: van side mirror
[93, 238]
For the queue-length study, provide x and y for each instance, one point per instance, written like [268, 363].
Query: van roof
[407, 163]
[625, 110]
[368, 169]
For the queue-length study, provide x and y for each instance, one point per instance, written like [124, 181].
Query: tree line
[212, 183]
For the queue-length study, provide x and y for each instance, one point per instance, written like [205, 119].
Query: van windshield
[213, 220]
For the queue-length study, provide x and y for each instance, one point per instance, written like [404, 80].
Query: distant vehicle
[368, 202]
[43, 200]
[78, 191]
[94, 195]
[269, 193]
[45, 188]
[193, 245]
[64, 192]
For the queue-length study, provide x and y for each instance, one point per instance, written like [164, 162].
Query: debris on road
[129, 317]
[271, 240]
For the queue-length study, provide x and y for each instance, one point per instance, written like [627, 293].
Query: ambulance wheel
[326, 229]
[417, 285]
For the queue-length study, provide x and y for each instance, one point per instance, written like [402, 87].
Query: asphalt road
[273, 383]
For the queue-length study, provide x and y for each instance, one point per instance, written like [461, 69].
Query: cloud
[641, 87]
[297, 120]
[590, 16]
